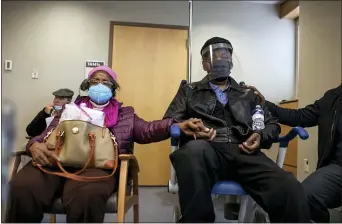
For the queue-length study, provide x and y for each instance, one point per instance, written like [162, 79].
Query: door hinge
[187, 43]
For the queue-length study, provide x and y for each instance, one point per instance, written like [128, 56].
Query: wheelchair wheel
[260, 217]
[176, 213]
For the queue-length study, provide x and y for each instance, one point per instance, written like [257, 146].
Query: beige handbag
[82, 145]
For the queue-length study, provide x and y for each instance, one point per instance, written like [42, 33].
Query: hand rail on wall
[189, 42]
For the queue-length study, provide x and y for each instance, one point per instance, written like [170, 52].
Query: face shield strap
[216, 46]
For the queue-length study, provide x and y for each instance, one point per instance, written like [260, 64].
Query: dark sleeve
[40, 138]
[38, 124]
[271, 131]
[303, 117]
[178, 109]
[145, 132]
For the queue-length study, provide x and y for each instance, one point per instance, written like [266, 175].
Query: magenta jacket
[129, 129]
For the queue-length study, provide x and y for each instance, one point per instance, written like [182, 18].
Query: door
[150, 64]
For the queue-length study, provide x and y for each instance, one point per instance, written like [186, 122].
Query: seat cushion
[228, 188]
[58, 208]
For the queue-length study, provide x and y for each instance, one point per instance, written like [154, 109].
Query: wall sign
[89, 65]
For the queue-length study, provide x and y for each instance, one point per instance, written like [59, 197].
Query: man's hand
[251, 144]
[48, 109]
[256, 92]
[195, 127]
[41, 153]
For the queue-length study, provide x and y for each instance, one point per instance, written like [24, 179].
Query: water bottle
[258, 118]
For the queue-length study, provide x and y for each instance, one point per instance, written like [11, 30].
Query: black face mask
[221, 70]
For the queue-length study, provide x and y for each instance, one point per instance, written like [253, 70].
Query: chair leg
[136, 213]
[122, 191]
[243, 209]
[136, 193]
[52, 218]
[252, 207]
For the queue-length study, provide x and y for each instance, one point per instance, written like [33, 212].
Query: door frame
[149, 25]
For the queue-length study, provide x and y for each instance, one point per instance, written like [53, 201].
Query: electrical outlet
[306, 165]
[35, 74]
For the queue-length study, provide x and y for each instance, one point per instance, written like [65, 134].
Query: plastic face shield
[215, 52]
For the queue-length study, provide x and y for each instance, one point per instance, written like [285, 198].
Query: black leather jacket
[198, 100]
[324, 112]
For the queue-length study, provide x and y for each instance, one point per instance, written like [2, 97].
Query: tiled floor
[157, 206]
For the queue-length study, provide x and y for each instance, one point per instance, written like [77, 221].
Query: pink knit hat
[104, 69]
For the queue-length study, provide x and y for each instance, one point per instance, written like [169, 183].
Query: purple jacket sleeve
[145, 132]
[41, 137]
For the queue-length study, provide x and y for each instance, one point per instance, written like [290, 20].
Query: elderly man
[323, 187]
[45, 116]
[235, 151]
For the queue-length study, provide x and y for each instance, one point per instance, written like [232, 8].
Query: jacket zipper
[331, 136]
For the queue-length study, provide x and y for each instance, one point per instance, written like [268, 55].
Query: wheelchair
[248, 210]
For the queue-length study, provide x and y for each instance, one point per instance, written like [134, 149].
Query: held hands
[195, 127]
[41, 153]
[251, 144]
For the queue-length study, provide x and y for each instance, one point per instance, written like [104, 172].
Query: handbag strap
[75, 176]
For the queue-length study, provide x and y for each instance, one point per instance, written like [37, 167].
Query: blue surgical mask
[58, 108]
[100, 94]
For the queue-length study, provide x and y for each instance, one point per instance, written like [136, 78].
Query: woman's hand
[195, 127]
[41, 153]
[256, 92]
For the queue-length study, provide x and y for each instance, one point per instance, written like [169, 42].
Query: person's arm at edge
[303, 117]
[38, 124]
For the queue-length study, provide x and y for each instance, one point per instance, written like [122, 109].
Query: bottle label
[258, 116]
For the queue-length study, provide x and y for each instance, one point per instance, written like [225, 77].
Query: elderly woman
[33, 190]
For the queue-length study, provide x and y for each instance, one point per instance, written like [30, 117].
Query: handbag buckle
[113, 137]
[48, 134]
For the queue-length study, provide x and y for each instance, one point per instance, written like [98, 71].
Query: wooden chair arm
[17, 158]
[133, 162]
[19, 153]
[127, 161]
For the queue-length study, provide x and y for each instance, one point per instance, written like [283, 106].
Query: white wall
[56, 37]
[264, 45]
[319, 64]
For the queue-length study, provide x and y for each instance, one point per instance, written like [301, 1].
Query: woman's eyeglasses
[95, 82]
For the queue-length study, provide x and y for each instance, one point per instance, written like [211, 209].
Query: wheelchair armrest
[301, 132]
[285, 140]
[175, 133]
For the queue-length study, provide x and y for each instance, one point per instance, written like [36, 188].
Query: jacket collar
[204, 84]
